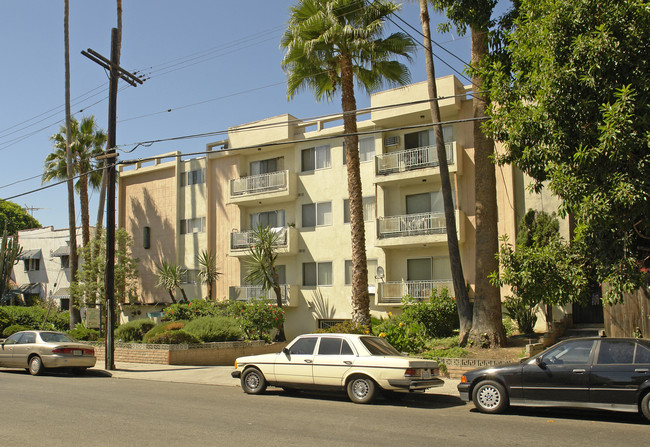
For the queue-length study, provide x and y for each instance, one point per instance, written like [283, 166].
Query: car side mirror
[286, 351]
[540, 362]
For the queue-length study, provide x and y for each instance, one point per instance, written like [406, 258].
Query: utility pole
[117, 72]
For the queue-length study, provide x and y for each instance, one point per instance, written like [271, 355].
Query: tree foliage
[208, 272]
[15, 218]
[170, 277]
[90, 286]
[572, 111]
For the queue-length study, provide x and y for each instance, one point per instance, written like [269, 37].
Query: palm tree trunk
[360, 298]
[171, 295]
[487, 326]
[75, 317]
[184, 296]
[278, 298]
[460, 291]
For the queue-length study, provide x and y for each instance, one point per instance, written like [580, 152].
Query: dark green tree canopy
[572, 111]
[15, 218]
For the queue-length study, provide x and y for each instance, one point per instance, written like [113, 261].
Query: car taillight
[89, 351]
[410, 372]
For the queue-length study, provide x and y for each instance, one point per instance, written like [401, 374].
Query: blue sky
[224, 55]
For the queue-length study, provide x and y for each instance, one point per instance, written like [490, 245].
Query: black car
[599, 373]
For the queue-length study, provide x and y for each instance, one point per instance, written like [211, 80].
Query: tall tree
[9, 252]
[460, 291]
[75, 315]
[487, 327]
[208, 272]
[261, 265]
[573, 114]
[329, 44]
[86, 142]
[14, 218]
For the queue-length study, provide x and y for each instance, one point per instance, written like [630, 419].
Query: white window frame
[368, 204]
[321, 156]
[193, 177]
[196, 224]
[319, 266]
[318, 213]
[366, 150]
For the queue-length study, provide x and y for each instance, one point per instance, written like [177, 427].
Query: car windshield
[378, 346]
[53, 337]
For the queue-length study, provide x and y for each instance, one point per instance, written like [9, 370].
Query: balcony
[249, 293]
[416, 229]
[392, 292]
[287, 242]
[414, 163]
[272, 187]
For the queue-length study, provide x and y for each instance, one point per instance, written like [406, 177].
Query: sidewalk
[207, 375]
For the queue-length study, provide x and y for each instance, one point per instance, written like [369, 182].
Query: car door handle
[579, 371]
[308, 361]
[641, 370]
[347, 362]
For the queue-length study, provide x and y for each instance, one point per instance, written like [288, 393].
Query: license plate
[77, 352]
[426, 374]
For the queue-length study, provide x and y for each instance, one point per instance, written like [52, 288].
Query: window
[642, 354]
[272, 219]
[317, 274]
[304, 346]
[326, 324]
[427, 138]
[32, 265]
[190, 277]
[317, 214]
[418, 203]
[27, 338]
[616, 352]
[65, 262]
[372, 270]
[576, 352]
[193, 225]
[418, 269]
[193, 177]
[266, 166]
[316, 158]
[368, 204]
[334, 346]
[366, 150]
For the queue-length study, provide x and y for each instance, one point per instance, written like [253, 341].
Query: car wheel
[253, 381]
[36, 367]
[645, 406]
[490, 397]
[361, 390]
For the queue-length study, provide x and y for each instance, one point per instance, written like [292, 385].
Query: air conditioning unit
[391, 141]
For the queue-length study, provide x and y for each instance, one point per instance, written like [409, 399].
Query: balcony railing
[249, 293]
[242, 240]
[256, 184]
[418, 158]
[394, 291]
[411, 225]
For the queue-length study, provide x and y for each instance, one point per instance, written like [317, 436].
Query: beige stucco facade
[291, 174]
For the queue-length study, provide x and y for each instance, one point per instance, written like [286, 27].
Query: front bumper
[463, 389]
[416, 384]
[236, 374]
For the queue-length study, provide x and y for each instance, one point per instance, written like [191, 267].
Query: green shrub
[33, 317]
[402, 333]
[194, 309]
[438, 317]
[134, 330]
[524, 315]
[163, 327]
[509, 326]
[81, 332]
[257, 318]
[174, 337]
[10, 330]
[211, 329]
[347, 327]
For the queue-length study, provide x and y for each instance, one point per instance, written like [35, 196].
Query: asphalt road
[97, 410]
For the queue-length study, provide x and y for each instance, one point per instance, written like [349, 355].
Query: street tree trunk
[75, 317]
[460, 290]
[85, 216]
[360, 298]
[487, 326]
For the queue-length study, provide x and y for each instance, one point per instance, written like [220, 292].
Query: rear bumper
[68, 361]
[416, 384]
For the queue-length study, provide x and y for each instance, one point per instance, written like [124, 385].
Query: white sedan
[360, 364]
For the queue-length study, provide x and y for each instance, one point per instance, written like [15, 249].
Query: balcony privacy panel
[411, 225]
[418, 158]
[255, 184]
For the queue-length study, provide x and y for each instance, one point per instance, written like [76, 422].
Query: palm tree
[329, 44]
[460, 291]
[169, 277]
[86, 142]
[261, 265]
[208, 272]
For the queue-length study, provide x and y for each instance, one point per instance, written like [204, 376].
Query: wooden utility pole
[111, 156]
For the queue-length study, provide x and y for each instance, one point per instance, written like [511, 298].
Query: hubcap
[489, 397]
[360, 388]
[252, 381]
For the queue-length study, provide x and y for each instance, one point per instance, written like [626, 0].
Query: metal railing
[249, 293]
[418, 158]
[241, 240]
[255, 184]
[411, 225]
[394, 291]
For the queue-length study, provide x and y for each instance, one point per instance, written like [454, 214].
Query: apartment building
[290, 174]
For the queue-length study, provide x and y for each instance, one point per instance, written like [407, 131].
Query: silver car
[38, 350]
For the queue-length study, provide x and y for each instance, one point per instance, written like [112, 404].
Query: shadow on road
[98, 373]
[575, 414]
